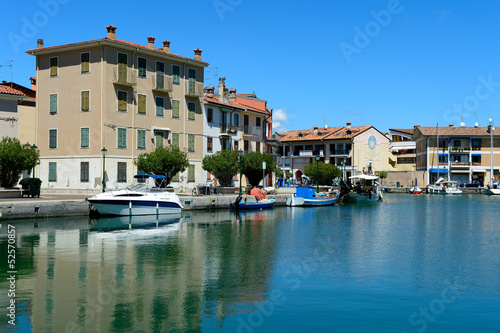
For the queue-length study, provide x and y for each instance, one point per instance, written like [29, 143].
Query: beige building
[116, 95]
[353, 149]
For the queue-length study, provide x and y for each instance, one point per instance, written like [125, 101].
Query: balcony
[161, 83]
[252, 130]
[124, 77]
[194, 89]
[309, 153]
[340, 152]
[228, 129]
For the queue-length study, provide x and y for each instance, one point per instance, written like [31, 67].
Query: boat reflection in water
[133, 222]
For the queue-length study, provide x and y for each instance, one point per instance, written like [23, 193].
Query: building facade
[119, 99]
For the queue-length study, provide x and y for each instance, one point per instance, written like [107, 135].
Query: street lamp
[240, 153]
[104, 152]
[317, 173]
[34, 147]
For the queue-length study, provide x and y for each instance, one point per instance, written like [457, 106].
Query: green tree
[223, 165]
[14, 158]
[252, 166]
[167, 161]
[327, 172]
[279, 173]
[382, 175]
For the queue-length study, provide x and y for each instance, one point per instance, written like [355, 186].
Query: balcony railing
[309, 153]
[340, 152]
[252, 130]
[161, 83]
[124, 77]
[194, 89]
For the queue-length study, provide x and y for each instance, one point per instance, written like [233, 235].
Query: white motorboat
[442, 186]
[366, 189]
[141, 198]
[492, 189]
[415, 190]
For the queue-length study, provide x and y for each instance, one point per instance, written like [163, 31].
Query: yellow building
[117, 97]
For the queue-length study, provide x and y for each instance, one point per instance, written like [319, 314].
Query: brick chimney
[197, 54]
[232, 95]
[33, 83]
[39, 43]
[151, 42]
[415, 126]
[450, 125]
[166, 46]
[210, 91]
[111, 31]
[348, 127]
[222, 87]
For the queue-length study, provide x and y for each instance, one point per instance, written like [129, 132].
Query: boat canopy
[149, 176]
[368, 177]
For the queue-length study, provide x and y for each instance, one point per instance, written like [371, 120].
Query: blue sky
[390, 64]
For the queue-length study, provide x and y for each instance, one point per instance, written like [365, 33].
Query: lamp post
[263, 174]
[103, 152]
[34, 147]
[240, 153]
[317, 173]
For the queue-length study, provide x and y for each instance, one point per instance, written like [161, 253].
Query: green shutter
[52, 171]
[122, 101]
[84, 171]
[122, 138]
[175, 178]
[53, 103]
[191, 110]
[141, 139]
[175, 108]
[85, 97]
[160, 75]
[175, 139]
[192, 81]
[141, 104]
[122, 172]
[191, 143]
[176, 74]
[160, 106]
[84, 137]
[122, 67]
[159, 139]
[142, 63]
[53, 66]
[191, 177]
[85, 62]
[53, 138]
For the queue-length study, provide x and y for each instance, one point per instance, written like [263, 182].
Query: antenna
[476, 124]
[11, 65]
[462, 122]
[212, 72]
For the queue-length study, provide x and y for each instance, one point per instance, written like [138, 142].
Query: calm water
[409, 264]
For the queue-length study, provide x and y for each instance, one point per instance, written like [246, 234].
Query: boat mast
[437, 138]
[491, 129]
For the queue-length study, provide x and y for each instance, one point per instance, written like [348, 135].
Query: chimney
[415, 126]
[111, 31]
[222, 87]
[151, 42]
[232, 95]
[348, 127]
[315, 129]
[166, 46]
[39, 43]
[33, 83]
[210, 91]
[197, 54]
[450, 125]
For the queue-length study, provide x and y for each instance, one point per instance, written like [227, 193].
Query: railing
[124, 77]
[161, 82]
[340, 152]
[252, 130]
[194, 89]
[309, 153]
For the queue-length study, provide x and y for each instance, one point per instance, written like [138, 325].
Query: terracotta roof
[456, 131]
[403, 130]
[7, 90]
[116, 41]
[330, 133]
[231, 104]
[24, 91]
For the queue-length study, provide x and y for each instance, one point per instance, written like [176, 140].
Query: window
[141, 139]
[52, 138]
[235, 145]
[245, 146]
[191, 143]
[122, 101]
[175, 178]
[226, 144]
[122, 67]
[85, 100]
[191, 110]
[257, 122]
[53, 103]
[160, 106]
[210, 115]
[191, 176]
[160, 75]
[84, 171]
[443, 143]
[476, 143]
[176, 74]
[52, 171]
[456, 143]
[175, 108]
[257, 146]
[159, 138]
[175, 139]
[443, 158]
[476, 159]
[192, 81]
[84, 137]
[236, 119]
[141, 67]
[53, 66]
[122, 138]
[85, 62]
[209, 144]
[122, 172]
[141, 104]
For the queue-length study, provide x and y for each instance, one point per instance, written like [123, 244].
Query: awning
[440, 170]
[478, 170]
[460, 171]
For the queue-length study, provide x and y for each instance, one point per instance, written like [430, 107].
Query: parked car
[474, 183]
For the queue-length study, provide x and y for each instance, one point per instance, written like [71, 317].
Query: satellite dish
[490, 120]
[476, 124]
[326, 126]
[462, 124]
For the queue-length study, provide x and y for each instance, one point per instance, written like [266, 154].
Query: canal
[408, 264]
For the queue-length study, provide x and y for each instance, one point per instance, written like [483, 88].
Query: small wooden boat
[306, 196]
[260, 204]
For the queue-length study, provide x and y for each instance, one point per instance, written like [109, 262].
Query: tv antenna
[476, 124]
[462, 123]
[209, 74]
[11, 65]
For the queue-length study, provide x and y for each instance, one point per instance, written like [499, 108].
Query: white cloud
[279, 117]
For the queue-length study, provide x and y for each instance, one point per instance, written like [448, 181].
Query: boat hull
[445, 191]
[254, 205]
[320, 202]
[492, 191]
[134, 222]
[122, 207]
[363, 198]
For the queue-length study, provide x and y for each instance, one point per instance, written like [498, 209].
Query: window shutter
[191, 142]
[192, 81]
[53, 66]
[53, 138]
[176, 74]
[175, 178]
[52, 171]
[191, 177]
[85, 100]
[122, 138]
[53, 103]
[160, 106]
[175, 109]
[122, 67]
[141, 104]
[141, 139]
[122, 101]
[191, 110]
[159, 139]
[175, 139]
[84, 137]
[85, 59]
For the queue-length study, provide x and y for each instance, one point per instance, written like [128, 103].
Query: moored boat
[306, 196]
[415, 190]
[442, 186]
[141, 198]
[244, 205]
[366, 189]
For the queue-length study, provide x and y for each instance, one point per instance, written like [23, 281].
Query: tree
[223, 165]
[163, 161]
[14, 158]
[327, 172]
[382, 175]
[252, 166]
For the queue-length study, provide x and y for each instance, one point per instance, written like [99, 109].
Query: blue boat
[306, 196]
[261, 204]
